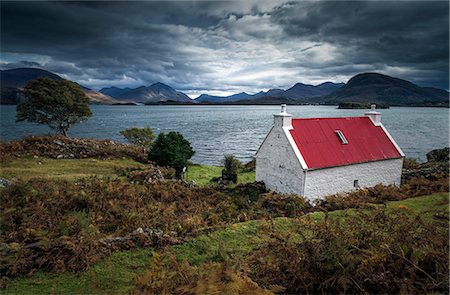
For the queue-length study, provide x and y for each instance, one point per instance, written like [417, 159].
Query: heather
[133, 226]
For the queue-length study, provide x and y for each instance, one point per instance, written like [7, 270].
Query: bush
[171, 150]
[284, 205]
[370, 253]
[139, 136]
[410, 164]
[230, 168]
[172, 277]
[248, 167]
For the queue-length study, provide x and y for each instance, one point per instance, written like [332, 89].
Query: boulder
[4, 182]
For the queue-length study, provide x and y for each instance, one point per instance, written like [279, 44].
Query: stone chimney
[282, 119]
[374, 115]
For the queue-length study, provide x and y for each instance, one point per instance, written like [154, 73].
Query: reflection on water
[217, 130]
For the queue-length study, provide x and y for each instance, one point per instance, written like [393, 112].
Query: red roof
[321, 147]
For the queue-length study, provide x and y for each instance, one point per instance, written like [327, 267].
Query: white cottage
[316, 157]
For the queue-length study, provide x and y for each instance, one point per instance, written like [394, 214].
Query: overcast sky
[224, 47]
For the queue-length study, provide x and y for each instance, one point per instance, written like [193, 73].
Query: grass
[116, 273]
[201, 175]
[29, 167]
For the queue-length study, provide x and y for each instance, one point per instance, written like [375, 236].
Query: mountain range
[13, 81]
[157, 92]
[299, 92]
[363, 88]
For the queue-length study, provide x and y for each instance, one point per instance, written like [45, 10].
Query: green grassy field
[28, 167]
[203, 174]
[116, 274]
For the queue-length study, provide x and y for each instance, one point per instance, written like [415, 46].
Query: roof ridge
[334, 118]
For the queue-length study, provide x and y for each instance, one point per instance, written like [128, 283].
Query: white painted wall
[277, 165]
[322, 182]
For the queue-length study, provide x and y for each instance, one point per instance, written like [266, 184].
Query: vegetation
[58, 104]
[171, 150]
[410, 163]
[358, 105]
[371, 252]
[70, 169]
[138, 229]
[228, 248]
[230, 168]
[61, 147]
[139, 136]
[202, 175]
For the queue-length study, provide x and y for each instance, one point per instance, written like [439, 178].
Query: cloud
[227, 46]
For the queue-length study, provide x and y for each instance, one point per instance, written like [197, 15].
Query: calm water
[217, 130]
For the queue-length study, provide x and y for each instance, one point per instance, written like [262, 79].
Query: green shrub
[139, 136]
[171, 150]
[230, 168]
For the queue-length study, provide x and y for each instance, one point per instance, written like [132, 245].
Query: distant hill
[363, 88]
[19, 77]
[383, 89]
[114, 92]
[157, 92]
[306, 92]
[299, 92]
[13, 81]
[219, 99]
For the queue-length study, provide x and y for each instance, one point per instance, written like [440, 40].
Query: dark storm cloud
[227, 46]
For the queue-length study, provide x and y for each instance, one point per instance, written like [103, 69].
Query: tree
[139, 136]
[230, 168]
[58, 104]
[171, 150]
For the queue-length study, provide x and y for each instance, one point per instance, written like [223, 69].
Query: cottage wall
[277, 165]
[322, 182]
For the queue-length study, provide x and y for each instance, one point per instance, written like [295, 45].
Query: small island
[358, 105]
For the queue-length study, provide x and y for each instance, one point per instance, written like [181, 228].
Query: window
[341, 137]
[355, 183]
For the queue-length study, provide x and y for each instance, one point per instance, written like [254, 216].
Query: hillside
[363, 88]
[114, 92]
[157, 92]
[14, 80]
[383, 89]
[299, 93]
[306, 93]
[134, 229]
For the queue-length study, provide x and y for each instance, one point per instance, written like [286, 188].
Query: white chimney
[282, 119]
[374, 115]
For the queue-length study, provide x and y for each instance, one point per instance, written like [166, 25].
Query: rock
[437, 165]
[4, 182]
[439, 155]
[139, 231]
[59, 157]
[58, 142]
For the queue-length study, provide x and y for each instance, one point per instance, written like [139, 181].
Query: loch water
[217, 130]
